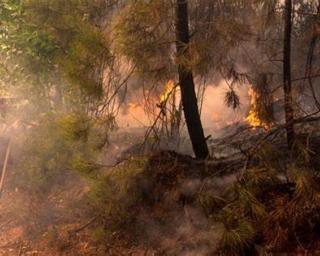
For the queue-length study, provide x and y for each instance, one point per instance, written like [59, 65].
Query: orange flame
[253, 117]
[167, 91]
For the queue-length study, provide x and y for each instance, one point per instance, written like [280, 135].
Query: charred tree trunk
[288, 100]
[186, 82]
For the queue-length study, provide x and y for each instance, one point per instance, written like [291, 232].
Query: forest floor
[59, 224]
[62, 223]
[59, 221]
[171, 214]
[33, 225]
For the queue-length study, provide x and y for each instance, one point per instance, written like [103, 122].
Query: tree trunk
[188, 94]
[288, 101]
[311, 57]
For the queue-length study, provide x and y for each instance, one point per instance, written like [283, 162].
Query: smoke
[185, 229]
[214, 112]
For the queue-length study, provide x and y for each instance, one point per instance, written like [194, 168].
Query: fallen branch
[75, 231]
[306, 119]
[4, 168]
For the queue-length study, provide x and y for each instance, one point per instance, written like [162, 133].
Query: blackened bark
[288, 100]
[186, 82]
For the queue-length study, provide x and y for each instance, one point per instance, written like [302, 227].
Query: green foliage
[141, 34]
[81, 46]
[210, 203]
[262, 213]
[116, 196]
[74, 127]
[259, 179]
[237, 237]
[53, 46]
[80, 164]
[241, 215]
[294, 218]
[56, 145]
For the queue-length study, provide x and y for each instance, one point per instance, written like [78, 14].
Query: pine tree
[287, 86]
[186, 82]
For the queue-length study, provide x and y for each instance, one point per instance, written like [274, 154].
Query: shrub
[116, 196]
[58, 144]
[265, 213]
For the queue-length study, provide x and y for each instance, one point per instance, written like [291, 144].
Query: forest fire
[138, 110]
[167, 91]
[159, 127]
[253, 117]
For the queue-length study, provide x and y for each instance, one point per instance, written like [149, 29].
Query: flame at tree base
[253, 117]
